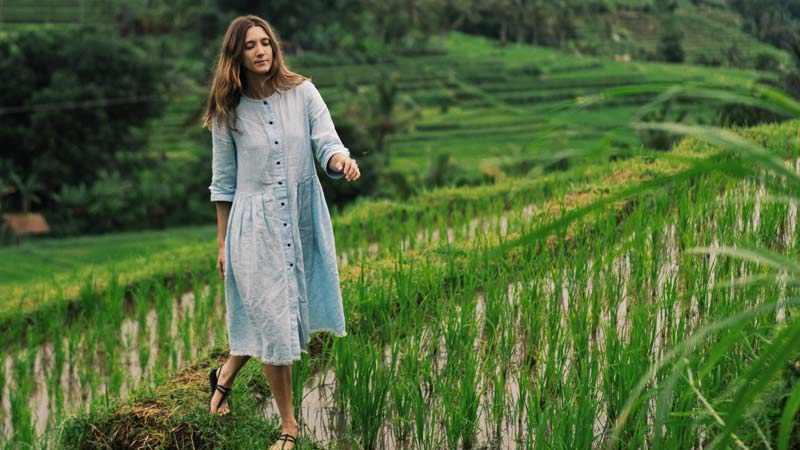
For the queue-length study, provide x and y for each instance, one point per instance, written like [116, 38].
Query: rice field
[565, 310]
[500, 103]
[517, 316]
[708, 32]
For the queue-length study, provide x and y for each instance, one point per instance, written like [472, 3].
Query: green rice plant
[369, 392]
[498, 397]
[87, 295]
[566, 276]
[218, 316]
[92, 372]
[202, 306]
[726, 413]
[74, 343]
[185, 331]
[499, 338]
[529, 410]
[142, 301]
[416, 375]
[54, 391]
[343, 367]
[402, 390]
[22, 421]
[301, 371]
[181, 283]
[111, 336]
[173, 357]
[461, 376]
[164, 303]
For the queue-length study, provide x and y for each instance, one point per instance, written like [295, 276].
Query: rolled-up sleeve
[324, 140]
[223, 163]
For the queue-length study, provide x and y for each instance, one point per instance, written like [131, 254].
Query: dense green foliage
[405, 131]
[671, 47]
[443, 121]
[73, 103]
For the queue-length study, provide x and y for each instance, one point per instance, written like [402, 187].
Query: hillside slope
[712, 34]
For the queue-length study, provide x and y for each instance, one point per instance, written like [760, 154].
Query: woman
[276, 248]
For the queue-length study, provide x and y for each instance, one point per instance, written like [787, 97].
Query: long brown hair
[227, 87]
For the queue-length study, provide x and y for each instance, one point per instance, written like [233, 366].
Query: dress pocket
[255, 254]
[305, 224]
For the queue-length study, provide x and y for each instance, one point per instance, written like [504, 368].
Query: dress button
[291, 265]
[281, 203]
[265, 102]
[289, 245]
[276, 142]
[270, 122]
[278, 162]
[285, 224]
[280, 182]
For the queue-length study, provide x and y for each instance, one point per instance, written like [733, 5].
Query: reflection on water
[84, 377]
[322, 418]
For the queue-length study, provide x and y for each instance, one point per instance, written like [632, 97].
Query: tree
[27, 189]
[317, 24]
[74, 99]
[771, 21]
[365, 124]
[536, 21]
[381, 112]
[670, 46]
[790, 78]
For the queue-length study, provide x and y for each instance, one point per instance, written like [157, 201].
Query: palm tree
[5, 189]
[27, 189]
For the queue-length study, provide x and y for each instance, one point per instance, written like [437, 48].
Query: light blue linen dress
[281, 274]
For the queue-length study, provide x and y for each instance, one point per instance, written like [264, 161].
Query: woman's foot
[221, 390]
[288, 438]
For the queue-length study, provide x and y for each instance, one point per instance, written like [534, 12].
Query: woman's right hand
[221, 262]
[223, 210]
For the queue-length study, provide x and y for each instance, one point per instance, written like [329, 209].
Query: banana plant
[27, 189]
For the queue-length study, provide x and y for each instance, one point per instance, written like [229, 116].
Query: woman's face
[257, 51]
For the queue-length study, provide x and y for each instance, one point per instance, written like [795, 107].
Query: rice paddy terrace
[498, 120]
[515, 315]
[490, 109]
[711, 32]
[509, 316]
[510, 102]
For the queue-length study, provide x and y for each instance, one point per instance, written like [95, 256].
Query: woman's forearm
[223, 209]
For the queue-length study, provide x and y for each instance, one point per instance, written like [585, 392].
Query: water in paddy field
[54, 393]
[324, 420]
[83, 376]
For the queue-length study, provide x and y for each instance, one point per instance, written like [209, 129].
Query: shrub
[670, 47]
[766, 61]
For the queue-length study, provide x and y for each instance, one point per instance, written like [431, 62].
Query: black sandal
[286, 437]
[213, 378]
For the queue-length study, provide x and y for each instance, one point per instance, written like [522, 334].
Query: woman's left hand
[343, 163]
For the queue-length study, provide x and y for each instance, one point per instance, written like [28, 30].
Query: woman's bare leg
[226, 377]
[280, 383]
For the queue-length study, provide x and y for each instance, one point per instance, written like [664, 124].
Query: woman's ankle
[226, 375]
[290, 426]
